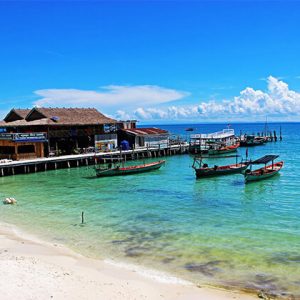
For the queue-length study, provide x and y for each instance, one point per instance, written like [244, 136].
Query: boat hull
[220, 171]
[263, 173]
[129, 170]
[223, 150]
[252, 144]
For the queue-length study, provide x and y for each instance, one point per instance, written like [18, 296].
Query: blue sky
[151, 60]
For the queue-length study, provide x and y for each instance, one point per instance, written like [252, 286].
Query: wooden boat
[251, 140]
[264, 172]
[116, 170]
[219, 149]
[202, 169]
[201, 143]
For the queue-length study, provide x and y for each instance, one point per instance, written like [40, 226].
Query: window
[7, 150]
[26, 149]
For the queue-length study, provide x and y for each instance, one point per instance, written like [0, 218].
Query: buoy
[9, 201]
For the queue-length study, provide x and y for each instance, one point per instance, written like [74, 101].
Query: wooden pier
[73, 161]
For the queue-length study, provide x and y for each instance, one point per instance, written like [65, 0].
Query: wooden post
[280, 135]
[68, 164]
[82, 217]
[13, 170]
[275, 137]
[271, 136]
[2, 173]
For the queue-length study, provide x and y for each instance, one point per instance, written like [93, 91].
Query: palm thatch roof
[16, 114]
[55, 116]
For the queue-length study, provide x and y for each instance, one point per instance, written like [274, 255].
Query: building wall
[22, 150]
[157, 141]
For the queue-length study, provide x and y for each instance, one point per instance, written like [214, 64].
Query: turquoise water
[215, 231]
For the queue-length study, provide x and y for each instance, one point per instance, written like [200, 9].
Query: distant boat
[264, 172]
[202, 169]
[114, 169]
[189, 129]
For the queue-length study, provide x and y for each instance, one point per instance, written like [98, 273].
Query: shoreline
[34, 269]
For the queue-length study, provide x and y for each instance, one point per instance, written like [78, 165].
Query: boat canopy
[264, 160]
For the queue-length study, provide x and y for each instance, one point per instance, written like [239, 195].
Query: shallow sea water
[215, 231]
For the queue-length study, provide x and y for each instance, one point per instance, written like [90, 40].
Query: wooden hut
[64, 131]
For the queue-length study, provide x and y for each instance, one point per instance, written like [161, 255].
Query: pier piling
[69, 161]
[275, 137]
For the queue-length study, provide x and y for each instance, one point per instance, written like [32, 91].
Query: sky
[155, 61]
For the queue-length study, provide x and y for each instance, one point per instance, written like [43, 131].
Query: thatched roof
[16, 114]
[55, 116]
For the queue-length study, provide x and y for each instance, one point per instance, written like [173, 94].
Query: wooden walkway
[72, 161]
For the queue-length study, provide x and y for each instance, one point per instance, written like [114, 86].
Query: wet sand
[33, 269]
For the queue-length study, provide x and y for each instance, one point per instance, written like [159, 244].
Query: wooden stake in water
[82, 217]
[275, 137]
[280, 135]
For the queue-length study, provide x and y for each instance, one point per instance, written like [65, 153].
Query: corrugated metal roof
[146, 131]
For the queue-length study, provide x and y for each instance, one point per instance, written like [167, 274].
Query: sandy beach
[32, 269]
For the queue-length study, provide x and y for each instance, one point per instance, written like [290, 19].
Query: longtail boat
[251, 140]
[264, 172]
[220, 149]
[203, 170]
[114, 169]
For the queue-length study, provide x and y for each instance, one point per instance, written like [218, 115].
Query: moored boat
[201, 143]
[223, 149]
[251, 140]
[264, 172]
[203, 170]
[116, 170]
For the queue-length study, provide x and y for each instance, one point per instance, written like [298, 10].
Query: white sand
[31, 269]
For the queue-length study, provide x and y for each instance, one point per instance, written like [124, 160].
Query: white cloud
[109, 96]
[121, 115]
[277, 101]
[144, 102]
